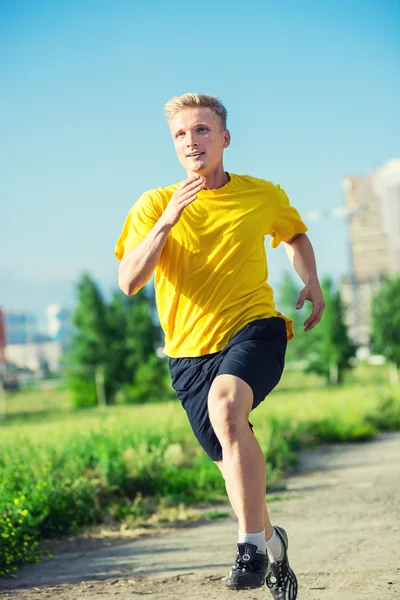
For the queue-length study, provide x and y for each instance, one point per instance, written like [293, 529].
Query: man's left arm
[301, 254]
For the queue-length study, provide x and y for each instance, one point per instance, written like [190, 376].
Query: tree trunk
[100, 387]
[393, 373]
[334, 374]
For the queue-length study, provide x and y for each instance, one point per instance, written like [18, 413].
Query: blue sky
[312, 91]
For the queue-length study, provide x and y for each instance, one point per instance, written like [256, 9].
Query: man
[204, 238]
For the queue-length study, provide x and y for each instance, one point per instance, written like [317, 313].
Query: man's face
[199, 139]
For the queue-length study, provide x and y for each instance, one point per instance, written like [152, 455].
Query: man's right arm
[138, 264]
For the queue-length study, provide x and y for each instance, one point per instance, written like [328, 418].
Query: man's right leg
[267, 522]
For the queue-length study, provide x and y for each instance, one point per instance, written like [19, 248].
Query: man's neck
[214, 180]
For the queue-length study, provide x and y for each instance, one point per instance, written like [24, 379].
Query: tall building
[2, 347]
[59, 323]
[373, 206]
[20, 328]
[23, 346]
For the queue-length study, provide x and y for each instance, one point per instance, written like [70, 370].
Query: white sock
[274, 547]
[258, 539]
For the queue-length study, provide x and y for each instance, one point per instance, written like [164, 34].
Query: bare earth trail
[342, 512]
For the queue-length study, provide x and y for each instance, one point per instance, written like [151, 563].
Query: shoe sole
[247, 587]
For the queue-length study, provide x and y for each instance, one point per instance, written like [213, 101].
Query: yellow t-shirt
[211, 279]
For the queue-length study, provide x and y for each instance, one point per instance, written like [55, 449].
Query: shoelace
[239, 564]
[277, 574]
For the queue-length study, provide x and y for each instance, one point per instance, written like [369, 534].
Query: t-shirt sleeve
[140, 220]
[287, 223]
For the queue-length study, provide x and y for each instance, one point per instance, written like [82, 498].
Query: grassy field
[62, 469]
[55, 397]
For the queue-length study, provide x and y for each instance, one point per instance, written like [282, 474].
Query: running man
[226, 343]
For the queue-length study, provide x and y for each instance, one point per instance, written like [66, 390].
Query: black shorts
[256, 354]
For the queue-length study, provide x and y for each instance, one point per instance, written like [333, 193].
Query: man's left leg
[230, 400]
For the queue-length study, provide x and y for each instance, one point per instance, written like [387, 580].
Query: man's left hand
[313, 293]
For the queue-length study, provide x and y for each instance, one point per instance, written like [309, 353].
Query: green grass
[215, 514]
[37, 403]
[61, 470]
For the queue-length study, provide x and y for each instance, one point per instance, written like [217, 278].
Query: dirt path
[342, 513]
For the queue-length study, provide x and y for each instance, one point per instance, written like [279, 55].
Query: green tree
[150, 383]
[300, 347]
[386, 321]
[116, 369]
[139, 374]
[142, 335]
[114, 348]
[332, 348]
[88, 348]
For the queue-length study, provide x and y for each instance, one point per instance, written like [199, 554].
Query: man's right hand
[183, 196]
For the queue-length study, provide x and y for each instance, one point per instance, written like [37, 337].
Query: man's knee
[229, 404]
[225, 418]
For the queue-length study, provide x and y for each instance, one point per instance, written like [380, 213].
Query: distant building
[373, 203]
[59, 323]
[357, 296]
[22, 346]
[2, 347]
[20, 328]
[43, 356]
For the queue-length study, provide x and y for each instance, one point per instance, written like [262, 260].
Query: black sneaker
[281, 580]
[249, 570]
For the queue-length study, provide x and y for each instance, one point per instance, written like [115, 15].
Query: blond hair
[178, 103]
